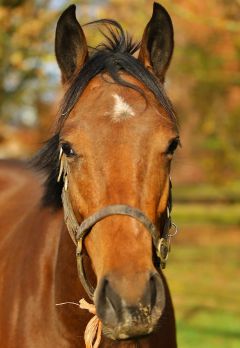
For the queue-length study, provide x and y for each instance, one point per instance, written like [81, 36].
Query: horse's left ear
[157, 42]
[70, 44]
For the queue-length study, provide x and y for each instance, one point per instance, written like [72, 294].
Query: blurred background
[203, 83]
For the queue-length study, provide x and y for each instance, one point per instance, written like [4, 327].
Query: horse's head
[117, 134]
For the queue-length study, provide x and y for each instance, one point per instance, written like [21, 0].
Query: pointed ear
[157, 42]
[70, 44]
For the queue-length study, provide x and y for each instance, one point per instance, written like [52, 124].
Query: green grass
[205, 204]
[203, 270]
[217, 214]
[207, 193]
[207, 335]
[204, 281]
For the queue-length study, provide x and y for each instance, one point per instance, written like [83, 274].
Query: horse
[98, 191]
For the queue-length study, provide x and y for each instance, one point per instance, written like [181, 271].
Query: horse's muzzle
[122, 319]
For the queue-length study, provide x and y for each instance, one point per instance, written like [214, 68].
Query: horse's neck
[68, 287]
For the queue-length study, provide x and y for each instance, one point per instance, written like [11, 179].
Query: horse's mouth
[131, 322]
[127, 331]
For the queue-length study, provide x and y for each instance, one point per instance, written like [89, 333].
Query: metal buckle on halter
[164, 244]
[162, 251]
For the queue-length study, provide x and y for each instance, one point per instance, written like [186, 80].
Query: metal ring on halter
[168, 212]
[175, 230]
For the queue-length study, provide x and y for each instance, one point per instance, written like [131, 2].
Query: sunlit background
[204, 85]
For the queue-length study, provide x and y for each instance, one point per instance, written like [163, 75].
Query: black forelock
[112, 56]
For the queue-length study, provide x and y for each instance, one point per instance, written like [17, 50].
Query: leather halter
[78, 232]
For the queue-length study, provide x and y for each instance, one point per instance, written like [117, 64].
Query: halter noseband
[78, 232]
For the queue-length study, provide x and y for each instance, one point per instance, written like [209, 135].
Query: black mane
[112, 56]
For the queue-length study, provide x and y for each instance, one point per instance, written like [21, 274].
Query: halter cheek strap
[78, 232]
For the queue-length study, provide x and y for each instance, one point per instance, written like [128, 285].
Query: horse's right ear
[157, 42]
[70, 44]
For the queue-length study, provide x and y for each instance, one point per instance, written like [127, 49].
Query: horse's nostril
[101, 298]
[113, 298]
[153, 290]
[108, 302]
[102, 290]
[149, 297]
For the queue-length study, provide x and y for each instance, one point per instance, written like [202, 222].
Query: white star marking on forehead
[121, 109]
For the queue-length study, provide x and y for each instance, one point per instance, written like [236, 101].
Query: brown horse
[108, 162]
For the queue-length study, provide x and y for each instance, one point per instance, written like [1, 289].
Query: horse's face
[118, 149]
[121, 156]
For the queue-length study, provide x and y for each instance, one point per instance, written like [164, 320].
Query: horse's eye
[172, 146]
[67, 150]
